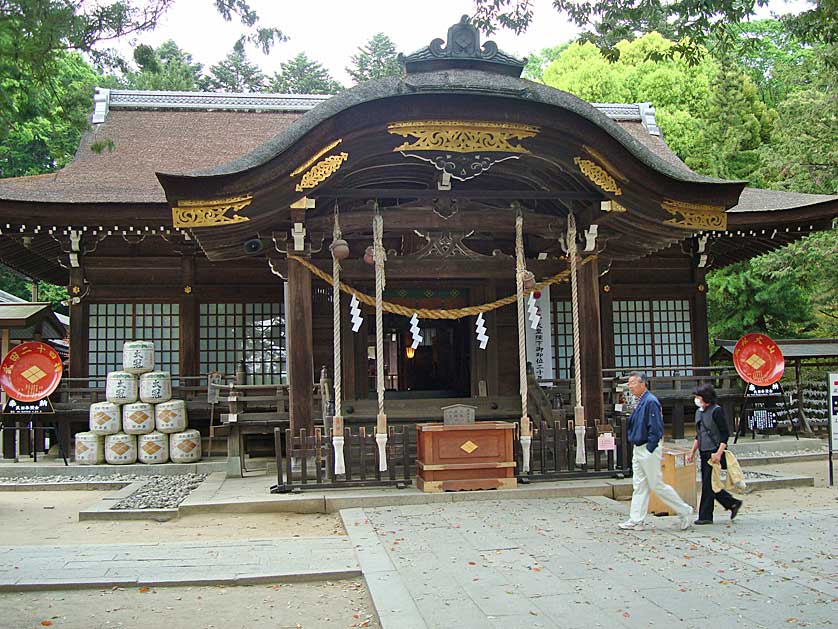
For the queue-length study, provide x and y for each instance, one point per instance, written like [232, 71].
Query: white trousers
[647, 476]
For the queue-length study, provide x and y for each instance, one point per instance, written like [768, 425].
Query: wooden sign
[30, 372]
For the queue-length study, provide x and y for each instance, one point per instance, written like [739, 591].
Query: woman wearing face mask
[711, 435]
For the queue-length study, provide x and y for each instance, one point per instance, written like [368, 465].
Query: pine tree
[737, 124]
[302, 75]
[235, 73]
[164, 68]
[375, 60]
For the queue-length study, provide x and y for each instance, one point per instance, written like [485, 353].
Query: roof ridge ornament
[462, 51]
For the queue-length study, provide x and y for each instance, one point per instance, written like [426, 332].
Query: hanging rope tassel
[337, 420]
[579, 410]
[381, 422]
[526, 428]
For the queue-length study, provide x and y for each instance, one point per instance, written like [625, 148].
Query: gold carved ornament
[462, 136]
[319, 172]
[695, 215]
[598, 175]
[210, 212]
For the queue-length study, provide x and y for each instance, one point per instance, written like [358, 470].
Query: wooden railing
[308, 460]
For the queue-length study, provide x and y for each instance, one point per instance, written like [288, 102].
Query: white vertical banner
[540, 339]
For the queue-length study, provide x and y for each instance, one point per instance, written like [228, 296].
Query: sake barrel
[138, 356]
[185, 447]
[90, 448]
[121, 387]
[153, 448]
[121, 449]
[137, 418]
[155, 387]
[105, 418]
[170, 416]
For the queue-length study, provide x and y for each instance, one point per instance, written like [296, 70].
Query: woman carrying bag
[711, 435]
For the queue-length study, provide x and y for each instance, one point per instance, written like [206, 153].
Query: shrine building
[203, 222]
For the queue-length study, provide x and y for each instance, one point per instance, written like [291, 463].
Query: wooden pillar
[701, 334]
[590, 342]
[190, 364]
[492, 379]
[78, 325]
[300, 347]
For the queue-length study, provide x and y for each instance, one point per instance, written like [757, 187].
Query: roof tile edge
[107, 99]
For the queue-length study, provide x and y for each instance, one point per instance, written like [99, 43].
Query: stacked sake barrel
[140, 421]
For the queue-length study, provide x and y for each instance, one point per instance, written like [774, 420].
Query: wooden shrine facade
[182, 232]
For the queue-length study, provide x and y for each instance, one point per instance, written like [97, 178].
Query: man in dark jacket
[645, 430]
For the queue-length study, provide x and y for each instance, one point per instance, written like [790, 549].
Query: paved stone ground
[562, 563]
[216, 562]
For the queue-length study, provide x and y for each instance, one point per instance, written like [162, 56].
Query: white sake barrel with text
[155, 387]
[185, 447]
[153, 448]
[121, 387]
[137, 418]
[90, 448]
[121, 449]
[170, 416]
[105, 418]
[138, 356]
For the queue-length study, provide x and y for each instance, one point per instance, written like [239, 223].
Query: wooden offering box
[465, 457]
[677, 473]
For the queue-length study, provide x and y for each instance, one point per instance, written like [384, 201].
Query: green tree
[375, 60]
[737, 124]
[679, 92]
[20, 286]
[165, 68]
[43, 122]
[802, 154]
[695, 25]
[537, 62]
[302, 75]
[776, 61]
[235, 73]
[744, 298]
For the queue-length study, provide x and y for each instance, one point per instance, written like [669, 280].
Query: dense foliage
[767, 114]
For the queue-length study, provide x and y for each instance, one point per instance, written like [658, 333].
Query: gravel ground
[78, 478]
[162, 492]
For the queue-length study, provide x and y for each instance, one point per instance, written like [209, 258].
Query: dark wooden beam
[590, 342]
[408, 193]
[300, 348]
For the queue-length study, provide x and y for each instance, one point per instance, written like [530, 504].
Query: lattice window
[255, 333]
[652, 334]
[110, 325]
[563, 339]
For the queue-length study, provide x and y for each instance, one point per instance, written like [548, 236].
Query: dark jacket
[716, 429]
[645, 425]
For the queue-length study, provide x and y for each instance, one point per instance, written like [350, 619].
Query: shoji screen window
[110, 325]
[563, 339]
[652, 333]
[255, 333]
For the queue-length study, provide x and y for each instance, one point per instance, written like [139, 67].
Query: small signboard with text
[39, 407]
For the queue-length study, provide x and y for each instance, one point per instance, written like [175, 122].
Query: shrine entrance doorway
[438, 367]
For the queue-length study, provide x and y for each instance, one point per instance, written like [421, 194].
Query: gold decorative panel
[696, 215]
[462, 136]
[321, 171]
[211, 212]
[469, 446]
[315, 157]
[598, 175]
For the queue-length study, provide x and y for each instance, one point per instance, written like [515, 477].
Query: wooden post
[300, 348]
[78, 326]
[701, 334]
[189, 316]
[590, 342]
